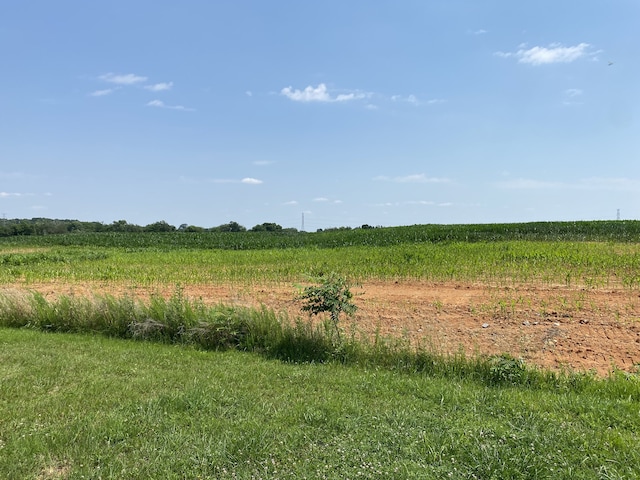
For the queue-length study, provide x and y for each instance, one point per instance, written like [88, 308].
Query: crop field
[500, 352]
[564, 296]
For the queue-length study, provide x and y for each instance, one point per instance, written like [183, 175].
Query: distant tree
[160, 226]
[194, 229]
[267, 227]
[23, 228]
[229, 227]
[119, 226]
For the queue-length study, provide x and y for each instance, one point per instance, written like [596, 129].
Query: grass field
[227, 392]
[77, 406]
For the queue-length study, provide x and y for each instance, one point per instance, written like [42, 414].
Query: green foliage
[151, 259]
[85, 406]
[505, 369]
[160, 226]
[332, 295]
[73, 232]
[267, 227]
[232, 227]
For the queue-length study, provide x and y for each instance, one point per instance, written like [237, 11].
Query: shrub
[332, 295]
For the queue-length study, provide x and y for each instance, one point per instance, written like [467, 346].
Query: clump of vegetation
[332, 295]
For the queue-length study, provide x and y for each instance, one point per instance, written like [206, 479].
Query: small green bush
[332, 295]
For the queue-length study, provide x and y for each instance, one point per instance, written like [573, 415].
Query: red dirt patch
[552, 327]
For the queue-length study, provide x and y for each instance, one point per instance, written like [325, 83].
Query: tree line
[47, 226]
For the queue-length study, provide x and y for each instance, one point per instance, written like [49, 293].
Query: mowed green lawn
[79, 406]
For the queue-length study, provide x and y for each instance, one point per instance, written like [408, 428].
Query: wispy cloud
[291, 202]
[246, 180]
[326, 200]
[480, 31]
[591, 183]
[417, 178]
[320, 94]
[161, 104]
[102, 93]
[159, 87]
[123, 79]
[16, 194]
[251, 181]
[554, 53]
[409, 99]
[414, 100]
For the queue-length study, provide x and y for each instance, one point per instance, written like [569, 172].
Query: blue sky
[344, 112]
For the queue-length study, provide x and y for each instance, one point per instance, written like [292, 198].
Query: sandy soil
[553, 327]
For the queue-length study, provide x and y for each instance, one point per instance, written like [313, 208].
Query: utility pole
[302, 229]
[618, 215]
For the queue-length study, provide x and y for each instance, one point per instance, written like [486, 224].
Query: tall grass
[180, 320]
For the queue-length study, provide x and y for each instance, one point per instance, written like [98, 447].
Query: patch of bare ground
[552, 327]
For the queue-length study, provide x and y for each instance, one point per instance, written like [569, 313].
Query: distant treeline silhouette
[47, 226]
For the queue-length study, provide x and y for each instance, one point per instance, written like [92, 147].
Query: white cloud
[251, 181]
[309, 94]
[9, 194]
[198, 180]
[554, 53]
[249, 93]
[417, 178]
[320, 94]
[159, 87]
[414, 100]
[573, 92]
[161, 104]
[102, 93]
[126, 79]
[419, 202]
[480, 31]
[292, 202]
[326, 200]
[409, 99]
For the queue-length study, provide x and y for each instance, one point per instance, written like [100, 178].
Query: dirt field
[553, 327]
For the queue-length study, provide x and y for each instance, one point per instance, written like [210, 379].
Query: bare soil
[552, 327]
